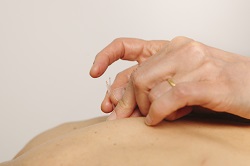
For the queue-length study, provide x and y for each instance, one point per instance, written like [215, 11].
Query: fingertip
[154, 116]
[148, 120]
[94, 71]
[106, 106]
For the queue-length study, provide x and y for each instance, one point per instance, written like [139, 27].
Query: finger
[159, 90]
[149, 74]
[111, 99]
[179, 113]
[163, 87]
[186, 94]
[162, 66]
[116, 90]
[107, 105]
[136, 113]
[126, 49]
[126, 105]
[120, 83]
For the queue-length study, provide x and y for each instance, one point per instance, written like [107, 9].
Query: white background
[47, 48]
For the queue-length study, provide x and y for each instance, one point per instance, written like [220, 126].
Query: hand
[126, 49]
[203, 76]
[115, 93]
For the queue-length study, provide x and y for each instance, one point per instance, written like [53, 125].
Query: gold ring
[171, 82]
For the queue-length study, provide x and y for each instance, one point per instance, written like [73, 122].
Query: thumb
[126, 105]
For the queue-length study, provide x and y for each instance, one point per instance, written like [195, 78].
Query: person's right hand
[126, 49]
[203, 76]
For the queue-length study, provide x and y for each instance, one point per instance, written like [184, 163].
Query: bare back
[189, 141]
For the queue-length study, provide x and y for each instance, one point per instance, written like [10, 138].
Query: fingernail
[148, 120]
[112, 116]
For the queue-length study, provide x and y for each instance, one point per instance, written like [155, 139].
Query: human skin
[200, 73]
[126, 49]
[194, 140]
[58, 131]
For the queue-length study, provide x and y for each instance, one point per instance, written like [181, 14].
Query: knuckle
[153, 95]
[180, 92]
[196, 49]
[137, 79]
[209, 66]
[179, 39]
[118, 40]
[179, 42]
